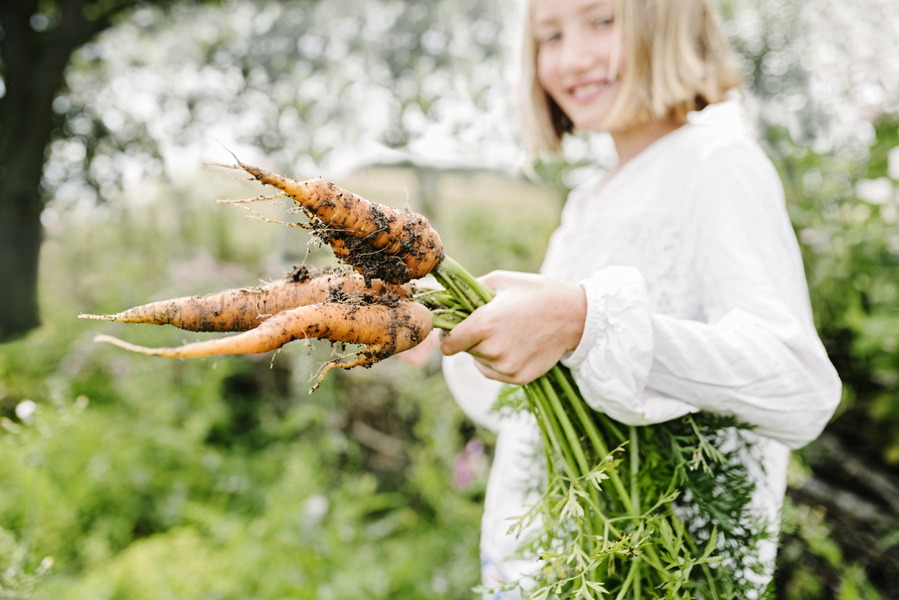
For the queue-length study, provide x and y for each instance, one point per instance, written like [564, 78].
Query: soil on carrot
[370, 262]
[372, 353]
[375, 263]
[337, 294]
[299, 274]
[381, 242]
[302, 273]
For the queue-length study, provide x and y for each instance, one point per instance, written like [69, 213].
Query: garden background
[128, 476]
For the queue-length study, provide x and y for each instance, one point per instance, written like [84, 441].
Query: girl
[674, 283]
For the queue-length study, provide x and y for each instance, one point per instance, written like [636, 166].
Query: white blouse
[696, 300]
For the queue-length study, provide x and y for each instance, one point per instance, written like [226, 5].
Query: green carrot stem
[552, 427]
[705, 568]
[450, 312]
[561, 444]
[634, 452]
[578, 404]
[628, 580]
[444, 321]
[449, 267]
[575, 444]
[708, 576]
[457, 291]
[441, 297]
[462, 284]
[552, 469]
[562, 417]
[609, 426]
[574, 399]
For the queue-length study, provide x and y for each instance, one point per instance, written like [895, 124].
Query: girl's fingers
[491, 279]
[463, 337]
[491, 373]
[477, 354]
[499, 280]
[520, 376]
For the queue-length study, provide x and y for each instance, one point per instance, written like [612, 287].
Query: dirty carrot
[383, 330]
[356, 227]
[244, 308]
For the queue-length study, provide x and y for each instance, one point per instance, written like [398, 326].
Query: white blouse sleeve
[756, 357]
[475, 394]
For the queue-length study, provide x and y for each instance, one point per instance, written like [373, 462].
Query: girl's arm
[757, 362]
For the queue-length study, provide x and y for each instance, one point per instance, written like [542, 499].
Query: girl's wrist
[574, 317]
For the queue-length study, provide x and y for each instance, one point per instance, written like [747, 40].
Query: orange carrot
[245, 308]
[382, 329]
[345, 217]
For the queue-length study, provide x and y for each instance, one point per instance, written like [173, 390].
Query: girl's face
[576, 47]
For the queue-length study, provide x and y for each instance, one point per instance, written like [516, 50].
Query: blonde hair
[678, 60]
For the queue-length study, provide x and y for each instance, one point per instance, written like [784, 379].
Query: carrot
[355, 227]
[383, 330]
[245, 308]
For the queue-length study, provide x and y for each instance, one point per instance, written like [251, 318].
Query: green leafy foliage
[217, 478]
[850, 242]
[845, 211]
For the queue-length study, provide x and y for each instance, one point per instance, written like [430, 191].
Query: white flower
[25, 410]
[875, 191]
[315, 508]
[893, 163]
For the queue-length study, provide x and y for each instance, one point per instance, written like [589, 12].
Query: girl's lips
[584, 92]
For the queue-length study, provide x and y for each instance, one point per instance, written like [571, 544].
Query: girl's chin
[591, 124]
[589, 118]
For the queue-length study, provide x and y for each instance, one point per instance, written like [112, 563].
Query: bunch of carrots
[609, 512]
[373, 308]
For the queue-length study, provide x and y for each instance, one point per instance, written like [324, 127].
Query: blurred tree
[38, 38]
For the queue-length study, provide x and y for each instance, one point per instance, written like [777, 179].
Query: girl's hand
[523, 332]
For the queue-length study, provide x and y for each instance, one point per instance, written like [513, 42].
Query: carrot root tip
[223, 165]
[128, 346]
[364, 357]
[98, 317]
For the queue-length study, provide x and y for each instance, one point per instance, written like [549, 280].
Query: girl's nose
[578, 55]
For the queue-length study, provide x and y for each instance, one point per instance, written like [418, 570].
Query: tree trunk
[34, 64]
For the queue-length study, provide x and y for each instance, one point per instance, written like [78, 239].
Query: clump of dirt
[337, 294]
[302, 273]
[372, 263]
[299, 274]
[396, 246]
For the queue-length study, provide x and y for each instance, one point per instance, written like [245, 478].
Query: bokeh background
[133, 477]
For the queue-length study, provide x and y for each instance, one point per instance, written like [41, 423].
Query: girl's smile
[584, 92]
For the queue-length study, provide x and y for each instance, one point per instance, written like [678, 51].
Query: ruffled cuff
[616, 300]
[612, 362]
